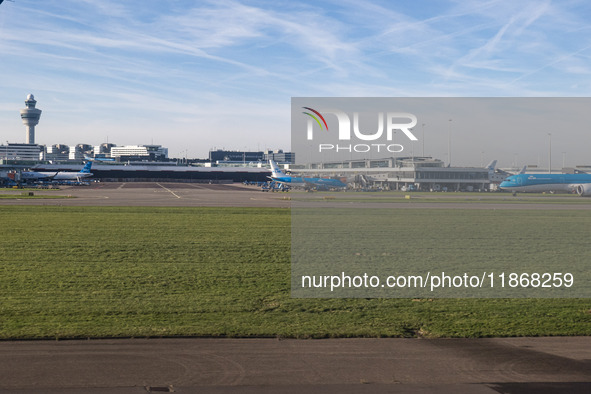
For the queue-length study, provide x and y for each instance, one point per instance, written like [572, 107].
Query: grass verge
[78, 272]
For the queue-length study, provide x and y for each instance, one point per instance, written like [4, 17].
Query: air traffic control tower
[30, 117]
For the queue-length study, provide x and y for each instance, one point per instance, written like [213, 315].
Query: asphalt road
[498, 365]
[157, 194]
[169, 194]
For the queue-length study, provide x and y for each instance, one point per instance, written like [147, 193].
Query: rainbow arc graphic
[315, 118]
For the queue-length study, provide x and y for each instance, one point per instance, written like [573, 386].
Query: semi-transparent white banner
[440, 197]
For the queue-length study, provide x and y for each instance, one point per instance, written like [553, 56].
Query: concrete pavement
[187, 365]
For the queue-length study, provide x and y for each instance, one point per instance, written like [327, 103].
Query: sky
[198, 75]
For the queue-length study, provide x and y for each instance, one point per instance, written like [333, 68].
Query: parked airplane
[308, 183]
[579, 183]
[58, 175]
[37, 176]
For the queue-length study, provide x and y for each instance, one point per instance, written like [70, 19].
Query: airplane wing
[325, 183]
[310, 184]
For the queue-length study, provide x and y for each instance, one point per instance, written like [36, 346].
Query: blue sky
[193, 75]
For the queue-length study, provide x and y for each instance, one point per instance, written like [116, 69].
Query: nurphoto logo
[402, 121]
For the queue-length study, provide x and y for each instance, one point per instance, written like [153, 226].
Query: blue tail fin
[86, 168]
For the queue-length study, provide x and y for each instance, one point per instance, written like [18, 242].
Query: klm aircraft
[569, 183]
[308, 183]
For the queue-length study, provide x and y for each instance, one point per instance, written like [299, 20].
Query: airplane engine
[584, 190]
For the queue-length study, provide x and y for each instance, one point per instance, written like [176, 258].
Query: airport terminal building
[405, 173]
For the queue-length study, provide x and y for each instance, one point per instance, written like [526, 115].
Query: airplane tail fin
[276, 171]
[523, 169]
[492, 165]
[86, 168]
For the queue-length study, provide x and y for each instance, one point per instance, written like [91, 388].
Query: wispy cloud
[182, 61]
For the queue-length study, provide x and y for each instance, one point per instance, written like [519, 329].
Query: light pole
[449, 145]
[423, 154]
[393, 142]
[549, 153]
[514, 160]
[412, 149]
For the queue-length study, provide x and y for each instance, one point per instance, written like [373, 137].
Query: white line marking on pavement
[168, 190]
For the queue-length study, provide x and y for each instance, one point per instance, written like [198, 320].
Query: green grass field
[439, 197]
[69, 272]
